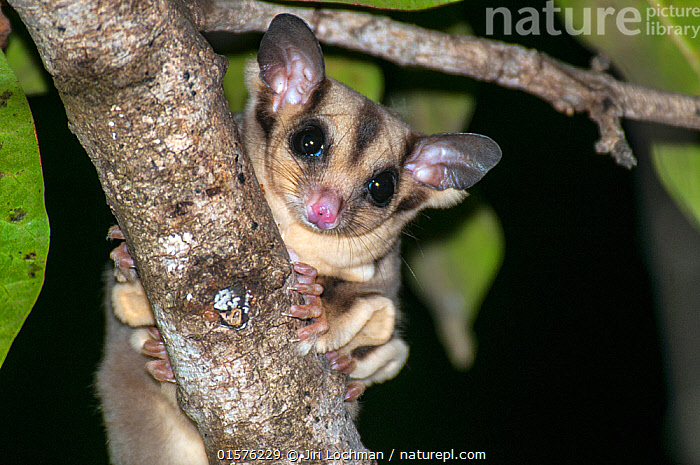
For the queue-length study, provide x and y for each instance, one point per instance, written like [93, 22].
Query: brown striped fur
[357, 258]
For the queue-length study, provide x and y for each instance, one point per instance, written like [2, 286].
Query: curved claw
[312, 309]
[161, 370]
[315, 329]
[115, 233]
[354, 391]
[124, 267]
[307, 288]
[154, 332]
[341, 362]
[121, 256]
[154, 348]
[306, 273]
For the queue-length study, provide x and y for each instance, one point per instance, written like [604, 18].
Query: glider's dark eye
[381, 188]
[309, 142]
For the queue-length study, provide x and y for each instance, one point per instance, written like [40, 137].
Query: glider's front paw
[154, 347]
[311, 309]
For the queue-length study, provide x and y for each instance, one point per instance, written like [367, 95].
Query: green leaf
[644, 55]
[26, 67]
[24, 226]
[664, 54]
[234, 81]
[678, 167]
[362, 75]
[454, 274]
[390, 4]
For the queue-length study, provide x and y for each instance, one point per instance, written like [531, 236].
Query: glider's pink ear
[291, 62]
[457, 161]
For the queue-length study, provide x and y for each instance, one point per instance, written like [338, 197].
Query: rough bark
[567, 88]
[142, 91]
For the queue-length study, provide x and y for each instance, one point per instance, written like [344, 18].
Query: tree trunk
[142, 91]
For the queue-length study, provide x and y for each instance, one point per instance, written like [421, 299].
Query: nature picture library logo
[655, 20]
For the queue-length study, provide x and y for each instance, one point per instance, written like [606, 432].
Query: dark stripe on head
[366, 131]
[263, 116]
[317, 97]
[413, 201]
[419, 195]
[411, 141]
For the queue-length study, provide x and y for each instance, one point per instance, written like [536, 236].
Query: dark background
[569, 367]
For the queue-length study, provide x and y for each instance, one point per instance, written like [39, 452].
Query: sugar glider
[342, 175]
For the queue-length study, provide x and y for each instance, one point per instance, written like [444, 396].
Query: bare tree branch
[567, 88]
[142, 91]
